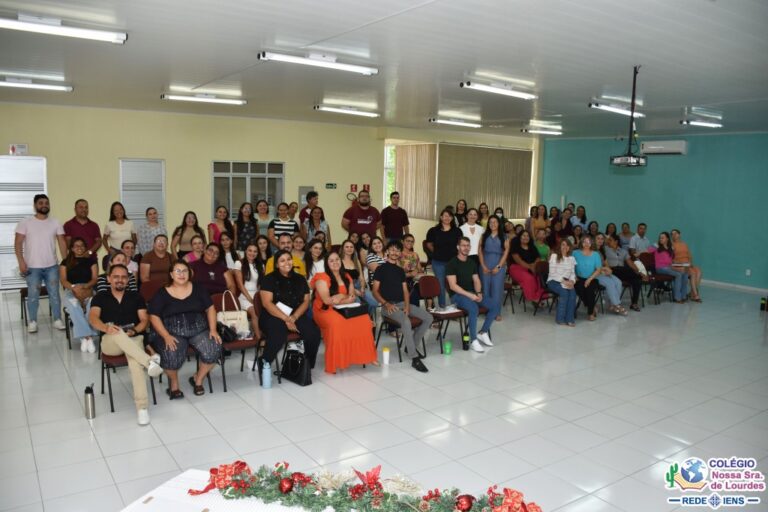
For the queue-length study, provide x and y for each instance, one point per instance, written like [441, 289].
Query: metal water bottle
[89, 404]
[266, 375]
[465, 341]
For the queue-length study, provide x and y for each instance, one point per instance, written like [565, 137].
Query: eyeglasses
[180, 271]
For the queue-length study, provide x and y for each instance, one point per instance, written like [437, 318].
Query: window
[389, 172]
[235, 183]
[142, 184]
[411, 170]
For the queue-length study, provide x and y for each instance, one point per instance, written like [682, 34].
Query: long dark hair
[345, 277]
[308, 261]
[583, 218]
[487, 233]
[269, 248]
[181, 227]
[227, 222]
[668, 249]
[240, 222]
[71, 260]
[191, 274]
[112, 210]
[232, 251]
[245, 265]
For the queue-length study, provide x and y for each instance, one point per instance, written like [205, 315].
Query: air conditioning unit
[664, 147]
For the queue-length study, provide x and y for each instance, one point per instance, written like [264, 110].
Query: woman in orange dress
[347, 340]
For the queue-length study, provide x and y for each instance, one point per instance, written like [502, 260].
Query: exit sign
[330, 185]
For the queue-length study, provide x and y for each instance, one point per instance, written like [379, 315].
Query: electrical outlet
[748, 272]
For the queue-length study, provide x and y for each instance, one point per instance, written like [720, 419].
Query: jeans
[493, 287]
[50, 277]
[438, 267]
[473, 309]
[566, 302]
[612, 285]
[680, 284]
[80, 326]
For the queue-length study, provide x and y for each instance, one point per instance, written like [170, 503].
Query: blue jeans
[680, 284]
[80, 326]
[493, 287]
[438, 267]
[50, 277]
[612, 285]
[566, 302]
[473, 308]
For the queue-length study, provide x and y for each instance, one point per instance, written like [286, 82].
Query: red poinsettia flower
[370, 478]
[512, 501]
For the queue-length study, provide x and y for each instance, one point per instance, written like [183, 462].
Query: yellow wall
[83, 146]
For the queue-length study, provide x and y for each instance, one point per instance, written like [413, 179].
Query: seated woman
[354, 268]
[617, 258]
[247, 271]
[288, 290]
[607, 280]
[411, 263]
[374, 258]
[182, 315]
[102, 283]
[156, 264]
[663, 258]
[347, 340]
[197, 243]
[314, 258]
[228, 252]
[562, 282]
[211, 272]
[684, 261]
[523, 267]
[78, 274]
[541, 244]
[588, 266]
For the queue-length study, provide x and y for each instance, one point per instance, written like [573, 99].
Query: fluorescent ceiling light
[499, 90]
[616, 110]
[53, 26]
[26, 84]
[202, 99]
[549, 125]
[32, 75]
[345, 110]
[705, 124]
[454, 122]
[318, 61]
[457, 114]
[541, 131]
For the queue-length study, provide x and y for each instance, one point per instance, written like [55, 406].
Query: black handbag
[360, 310]
[226, 333]
[296, 368]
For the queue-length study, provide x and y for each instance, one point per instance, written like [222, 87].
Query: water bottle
[89, 404]
[448, 347]
[762, 303]
[266, 375]
[465, 342]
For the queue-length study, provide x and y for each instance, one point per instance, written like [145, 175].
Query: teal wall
[716, 195]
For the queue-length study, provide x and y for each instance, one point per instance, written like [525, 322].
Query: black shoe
[418, 365]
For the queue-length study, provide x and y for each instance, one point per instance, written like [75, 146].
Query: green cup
[447, 348]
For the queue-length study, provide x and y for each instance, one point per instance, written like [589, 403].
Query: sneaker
[143, 417]
[418, 365]
[91, 346]
[58, 324]
[483, 338]
[32, 327]
[154, 369]
[83, 344]
[476, 346]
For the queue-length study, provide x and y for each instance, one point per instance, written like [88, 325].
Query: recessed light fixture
[541, 131]
[615, 109]
[202, 98]
[454, 122]
[319, 61]
[28, 84]
[547, 125]
[32, 75]
[696, 122]
[53, 26]
[495, 89]
[345, 110]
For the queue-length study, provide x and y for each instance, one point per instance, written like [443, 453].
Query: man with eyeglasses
[211, 272]
[121, 315]
[285, 243]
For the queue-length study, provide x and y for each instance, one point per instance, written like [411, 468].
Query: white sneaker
[476, 346]
[32, 327]
[483, 338]
[58, 324]
[143, 417]
[154, 369]
[91, 346]
[83, 344]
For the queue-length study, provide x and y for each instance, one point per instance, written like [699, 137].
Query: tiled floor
[578, 419]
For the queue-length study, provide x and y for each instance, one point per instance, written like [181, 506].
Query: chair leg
[109, 386]
[152, 386]
[224, 372]
[103, 369]
[440, 335]
[242, 360]
[378, 336]
[399, 341]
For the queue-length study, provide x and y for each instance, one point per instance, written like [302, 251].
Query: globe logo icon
[694, 470]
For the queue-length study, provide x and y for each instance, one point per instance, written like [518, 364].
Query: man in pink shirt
[35, 247]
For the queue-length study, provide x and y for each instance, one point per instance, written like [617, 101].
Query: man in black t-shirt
[122, 316]
[391, 290]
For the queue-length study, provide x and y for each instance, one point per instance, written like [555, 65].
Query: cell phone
[127, 326]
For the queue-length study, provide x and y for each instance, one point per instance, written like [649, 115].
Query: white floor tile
[497, 465]
[141, 463]
[298, 460]
[97, 500]
[573, 437]
[413, 456]
[306, 427]
[634, 496]
[545, 490]
[332, 448]
[538, 451]
[64, 453]
[421, 424]
[456, 443]
[620, 457]
[452, 474]
[19, 490]
[253, 439]
[197, 451]
[350, 417]
[134, 489]
[66, 480]
[379, 435]
[584, 473]
[127, 440]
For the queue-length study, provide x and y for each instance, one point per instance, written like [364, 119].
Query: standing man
[391, 291]
[394, 220]
[80, 226]
[35, 248]
[362, 217]
[312, 199]
[465, 290]
[121, 315]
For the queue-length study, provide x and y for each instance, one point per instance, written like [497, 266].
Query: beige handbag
[237, 319]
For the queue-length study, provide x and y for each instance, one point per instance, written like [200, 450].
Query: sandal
[174, 394]
[634, 307]
[199, 390]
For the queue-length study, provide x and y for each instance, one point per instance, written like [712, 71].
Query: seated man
[390, 289]
[285, 243]
[212, 273]
[464, 288]
[639, 243]
[122, 316]
[624, 268]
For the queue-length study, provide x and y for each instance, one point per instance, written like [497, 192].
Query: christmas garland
[344, 492]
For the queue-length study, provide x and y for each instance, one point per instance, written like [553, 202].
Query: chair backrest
[149, 289]
[541, 268]
[648, 261]
[426, 251]
[429, 287]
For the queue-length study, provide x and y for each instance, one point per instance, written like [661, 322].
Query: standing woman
[523, 267]
[314, 258]
[554, 216]
[281, 224]
[220, 224]
[580, 218]
[626, 235]
[593, 229]
[576, 235]
[588, 267]
[684, 261]
[484, 214]
[460, 214]
[183, 315]
[316, 223]
[78, 274]
[149, 230]
[118, 229]
[197, 244]
[246, 226]
[610, 230]
[540, 220]
[227, 243]
[664, 256]
[561, 281]
[286, 287]
[474, 231]
[607, 280]
[247, 271]
[262, 216]
[443, 241]
[347, 340]
[181, 241]
[493, 254]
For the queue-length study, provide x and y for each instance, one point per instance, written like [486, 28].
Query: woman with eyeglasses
[78, 274]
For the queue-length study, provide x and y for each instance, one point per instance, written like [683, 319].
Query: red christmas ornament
[464, 502]
[286, 485]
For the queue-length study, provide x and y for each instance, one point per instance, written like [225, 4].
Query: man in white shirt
[639, 243]
[35, 248]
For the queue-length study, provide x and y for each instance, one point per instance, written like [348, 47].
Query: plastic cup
[447, 348]
[385, 355]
